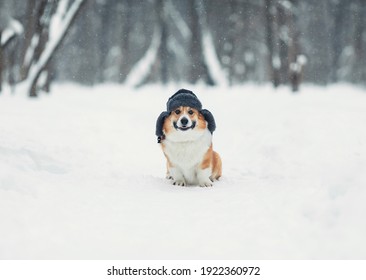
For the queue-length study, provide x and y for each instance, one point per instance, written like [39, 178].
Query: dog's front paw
[207, 183]
[181, 183]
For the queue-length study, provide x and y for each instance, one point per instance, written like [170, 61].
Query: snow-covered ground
[82, 177]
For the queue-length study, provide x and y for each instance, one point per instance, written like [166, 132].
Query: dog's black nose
[184, 121]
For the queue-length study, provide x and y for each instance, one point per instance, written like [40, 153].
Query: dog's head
[184, 119]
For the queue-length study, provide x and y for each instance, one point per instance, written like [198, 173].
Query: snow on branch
[57, 19]
[213, 64]
[142, 68]
[14, 28]
[286, 5]
[30, 51]
[178, 21]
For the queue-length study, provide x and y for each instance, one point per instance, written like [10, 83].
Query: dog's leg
[177, 176]
[168, 176]
[216, 166]
[203, 176]
[204, 171]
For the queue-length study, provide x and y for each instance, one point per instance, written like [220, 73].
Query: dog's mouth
[184, 127]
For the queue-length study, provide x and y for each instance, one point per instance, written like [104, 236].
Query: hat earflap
[211, 124]
[159, 123]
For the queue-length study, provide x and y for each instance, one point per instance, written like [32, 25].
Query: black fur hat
[183, 97]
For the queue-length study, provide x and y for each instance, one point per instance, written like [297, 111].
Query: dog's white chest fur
[186, 151]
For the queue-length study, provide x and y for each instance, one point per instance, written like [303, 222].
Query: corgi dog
[185, 134]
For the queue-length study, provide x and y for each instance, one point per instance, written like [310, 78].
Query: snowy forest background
[213, 42]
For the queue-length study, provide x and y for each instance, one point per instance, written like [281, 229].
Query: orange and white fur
[187, 146]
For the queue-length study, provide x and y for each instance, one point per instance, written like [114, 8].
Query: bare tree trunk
[358, 43]
[295, 63]
[232, 39]
[7, 58]
[125, 61]
[198, 68]
[362, 38]
[286, 67]
[337, 39]
[46, 87]
[283, 40]
[40, 31]
[270, 38]
[28, 35]
[11, 62]
[1, 63]
[36, 35]
[195, 46]
[163, 52]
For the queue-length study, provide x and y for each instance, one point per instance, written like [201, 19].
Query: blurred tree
[339, 9]
[127, 23]
[9, 29]
[1, 62]
[273, 57]
[4, 22]
[286, 61]
[198, 69]
[359, 41]
[163, 52]
[211, 41]
[27, 46]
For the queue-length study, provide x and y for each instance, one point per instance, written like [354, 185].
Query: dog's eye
[177, 111]
[190, 112]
